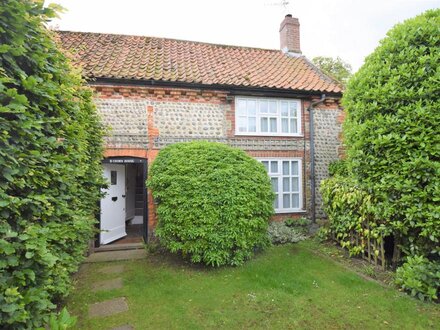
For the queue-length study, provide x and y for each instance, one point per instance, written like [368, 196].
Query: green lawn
[287, 287]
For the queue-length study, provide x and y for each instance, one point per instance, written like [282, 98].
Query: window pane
[286, 201]
[292, 108]
[264, 125]
[266, 165]
[295, 184]
[294, 168]
[285, 168]
[263, 107]
[275, 202]
[241, 107]
[273, 167]
[274, 182]
[273, 124]
[242, 124]
[113, 177]
[272, 107]
[285, 125]
[252, 108]
[295, 201]
[252, 124]
[293, 126]
[284, 109]
[286, 184]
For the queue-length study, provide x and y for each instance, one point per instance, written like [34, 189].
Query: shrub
[214, 202]
[323, 234]
[301, 225]
[348, 208]
[281, 233]
[420, 277]
[392, 132]
[338, 167]
[62, 320]
[51, 145]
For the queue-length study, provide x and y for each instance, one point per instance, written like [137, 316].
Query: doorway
[123, 215]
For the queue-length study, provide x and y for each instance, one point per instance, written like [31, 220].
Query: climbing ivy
[51, 146]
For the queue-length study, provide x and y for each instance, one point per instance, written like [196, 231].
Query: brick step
[139, 204]
[139, 211]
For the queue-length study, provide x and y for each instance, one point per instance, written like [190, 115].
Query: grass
[287, 287]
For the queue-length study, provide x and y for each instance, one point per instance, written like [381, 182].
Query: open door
[113, 204]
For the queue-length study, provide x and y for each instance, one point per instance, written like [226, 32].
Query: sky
[349, 29]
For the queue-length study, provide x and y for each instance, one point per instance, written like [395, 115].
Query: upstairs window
[258, 116]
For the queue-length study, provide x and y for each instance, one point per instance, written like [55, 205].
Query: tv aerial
[283, 3]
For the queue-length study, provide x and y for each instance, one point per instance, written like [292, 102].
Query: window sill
[290, 211]
[268, 135]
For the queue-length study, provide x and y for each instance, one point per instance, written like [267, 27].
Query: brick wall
[145, 119]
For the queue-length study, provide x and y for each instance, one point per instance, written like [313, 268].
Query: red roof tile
[146, 58]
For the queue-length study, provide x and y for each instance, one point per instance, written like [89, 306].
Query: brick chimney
[289, 34]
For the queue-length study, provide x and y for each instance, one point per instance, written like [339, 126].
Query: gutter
[237, 90]
[312, 155]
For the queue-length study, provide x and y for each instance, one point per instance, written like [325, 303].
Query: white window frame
[278, 116]
[279, 175]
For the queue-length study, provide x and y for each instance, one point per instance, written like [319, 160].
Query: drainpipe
[312, 155]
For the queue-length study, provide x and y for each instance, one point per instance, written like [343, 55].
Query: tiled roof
[167, 60]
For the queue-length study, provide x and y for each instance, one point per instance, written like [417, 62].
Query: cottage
[153, 92]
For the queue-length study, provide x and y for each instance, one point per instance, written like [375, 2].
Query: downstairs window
[286, 178]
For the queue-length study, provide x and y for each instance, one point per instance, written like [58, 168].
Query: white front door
[113, 204]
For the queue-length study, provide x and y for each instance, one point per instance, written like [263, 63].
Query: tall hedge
[51, 146]
[214, 202]
[393, 130]
[392, 134]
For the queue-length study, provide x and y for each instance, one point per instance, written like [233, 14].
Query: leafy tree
[51, 146]
[214, 202]
[336, 68]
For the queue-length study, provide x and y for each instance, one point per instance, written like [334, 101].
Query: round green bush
[392, 132]
[214, 202]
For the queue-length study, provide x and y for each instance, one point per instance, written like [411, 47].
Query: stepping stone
[113, 269]
[123, 327]
[108, 307]
[116, 255]
[112, 284]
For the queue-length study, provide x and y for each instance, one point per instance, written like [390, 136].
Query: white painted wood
[130, 196]
[274, 167]
[113, 205]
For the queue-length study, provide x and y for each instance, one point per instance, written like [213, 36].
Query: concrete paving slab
[123, 327]
[116, 255]
[113, 284]
[108, 307]
[112, 269]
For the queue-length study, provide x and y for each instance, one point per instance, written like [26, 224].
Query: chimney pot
[290, 34]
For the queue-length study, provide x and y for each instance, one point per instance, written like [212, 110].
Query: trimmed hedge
[214, 202]
[391, 176]
[51, 146]
[392, 131]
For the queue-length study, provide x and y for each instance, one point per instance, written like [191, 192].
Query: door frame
[124, 161]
